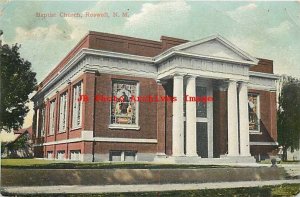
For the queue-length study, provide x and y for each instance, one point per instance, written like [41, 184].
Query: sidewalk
[76, 189]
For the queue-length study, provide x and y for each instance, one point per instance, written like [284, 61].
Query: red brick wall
[89, 90]
[84, 147]
[105, 147]
[264, 65]
[161, 120]
[124, 44]
[169, 114]
[263, 151]
[268, 117]
[147, 110]
[220, 123]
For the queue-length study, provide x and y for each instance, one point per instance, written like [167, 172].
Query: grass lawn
[51, 164]
[24, 162]
[266, 191]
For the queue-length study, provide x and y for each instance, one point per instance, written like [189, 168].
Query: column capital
[243, 82]
[231, 81]
[161, 82]
[191, 76]
[178, 76]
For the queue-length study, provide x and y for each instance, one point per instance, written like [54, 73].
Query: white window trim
[122, 159]
[50, 153]
[120, 126]
[77, 153]
[258, 115]
[126, 126]
[76, 102]
[60, 152]
[63, 112]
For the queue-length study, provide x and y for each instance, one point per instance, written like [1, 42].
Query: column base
[161, 155]
[193, 155]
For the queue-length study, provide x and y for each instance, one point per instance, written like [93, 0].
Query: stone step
[205, 161]
[292, 170]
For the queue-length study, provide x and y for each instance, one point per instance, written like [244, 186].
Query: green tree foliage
[288, 121]
[17, 82]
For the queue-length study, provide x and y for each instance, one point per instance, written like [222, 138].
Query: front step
[205, 161]
[293, 170]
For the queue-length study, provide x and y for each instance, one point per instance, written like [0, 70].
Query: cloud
[51, 32]
[251, 6]
[242, 12]
[282, 28]
[154, 16]
[246, 43]
[78, 28]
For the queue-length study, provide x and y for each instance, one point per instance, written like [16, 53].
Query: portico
[198, 69]
[237, 109]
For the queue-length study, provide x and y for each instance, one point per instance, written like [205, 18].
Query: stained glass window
[123, 109]
[254, 113]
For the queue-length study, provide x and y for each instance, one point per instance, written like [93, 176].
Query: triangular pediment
[216, 46]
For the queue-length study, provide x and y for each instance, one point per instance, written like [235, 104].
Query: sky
[265, 29]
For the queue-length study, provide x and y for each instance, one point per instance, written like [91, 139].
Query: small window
[115, 156]
[60, 155]
[75, 155]
[254, 112]
[129, 156]
[49, 154]
[122, 155]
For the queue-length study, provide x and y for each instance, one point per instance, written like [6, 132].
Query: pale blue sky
[264, 29]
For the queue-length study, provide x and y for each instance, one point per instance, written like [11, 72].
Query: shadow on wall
[263, 152]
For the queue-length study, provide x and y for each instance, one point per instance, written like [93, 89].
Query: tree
[17, 82]
[288, 122]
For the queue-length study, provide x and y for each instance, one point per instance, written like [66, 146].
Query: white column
[37, 123]
[178, 126]
[232, 109]
[191, 143]
[210, 122]
[244, 120]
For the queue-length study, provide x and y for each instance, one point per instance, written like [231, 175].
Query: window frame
[125, 126]
[43, 121]
[75, 152]
[53, 115]
[258, 113]
[65, 115]
[61, 152]
[74, 101]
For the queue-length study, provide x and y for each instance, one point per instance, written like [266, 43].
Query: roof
[146, 48]
[23, 130]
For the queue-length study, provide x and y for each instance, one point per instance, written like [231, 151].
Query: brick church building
[79, 114]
